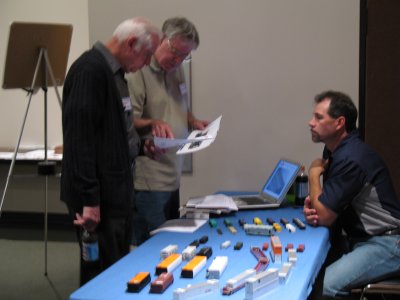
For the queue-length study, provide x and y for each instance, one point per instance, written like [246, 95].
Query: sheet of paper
[215, 202]
[210, 131]
[31, 155]
[165, 143]
[39, 154]
[197, 140]
[180, 225]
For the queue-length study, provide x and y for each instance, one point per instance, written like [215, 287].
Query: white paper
[164, 143]
[210, 131]
[213, 202]
[31, 155]
[197, 140]
[180, 225]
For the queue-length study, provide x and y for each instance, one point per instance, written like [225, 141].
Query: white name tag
[126, 103]
[183, 88]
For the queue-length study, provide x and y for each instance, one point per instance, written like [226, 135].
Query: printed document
[197, 140]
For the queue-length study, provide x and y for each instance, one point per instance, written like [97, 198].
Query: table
[111, 284]
[46, 168]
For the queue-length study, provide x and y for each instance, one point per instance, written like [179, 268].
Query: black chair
[385, 289]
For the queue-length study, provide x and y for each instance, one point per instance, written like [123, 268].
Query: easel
[31, 49]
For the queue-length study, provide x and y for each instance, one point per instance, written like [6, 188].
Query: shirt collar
[111, 60]
[154, 66]
[354, 134]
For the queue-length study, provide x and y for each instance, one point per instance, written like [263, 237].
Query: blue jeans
[152, 210]
[370, 260]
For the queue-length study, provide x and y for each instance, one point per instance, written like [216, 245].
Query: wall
[26, 194]
[259, 64]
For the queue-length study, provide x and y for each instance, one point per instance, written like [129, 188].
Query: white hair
[140, 27]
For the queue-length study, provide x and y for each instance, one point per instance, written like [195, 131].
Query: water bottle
[301, 187]
[290, 195]
[90, 246]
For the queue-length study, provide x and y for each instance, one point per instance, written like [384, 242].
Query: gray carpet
[22, 265]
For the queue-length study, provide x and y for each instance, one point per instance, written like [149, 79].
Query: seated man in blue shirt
[357, 194]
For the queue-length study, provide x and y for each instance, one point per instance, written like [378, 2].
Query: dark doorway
[380, 80]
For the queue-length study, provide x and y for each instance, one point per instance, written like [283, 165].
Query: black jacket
[96, 169]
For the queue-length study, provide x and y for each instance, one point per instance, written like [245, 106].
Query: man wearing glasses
[160, 104]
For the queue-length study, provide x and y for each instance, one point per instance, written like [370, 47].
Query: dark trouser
[173, 206]
[114, 234]
[152, 209]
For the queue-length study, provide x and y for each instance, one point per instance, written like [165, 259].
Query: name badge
[183, 88]
[126, 103]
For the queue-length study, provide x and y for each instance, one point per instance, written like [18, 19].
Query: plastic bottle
[301, 187]
[290, 195]
[90, 246]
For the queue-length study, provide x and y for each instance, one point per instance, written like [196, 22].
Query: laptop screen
[281, 179]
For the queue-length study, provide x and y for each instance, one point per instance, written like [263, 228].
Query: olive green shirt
[163, 96]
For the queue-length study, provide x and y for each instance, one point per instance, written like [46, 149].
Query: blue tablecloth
[112, 283]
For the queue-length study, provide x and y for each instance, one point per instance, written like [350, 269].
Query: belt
[395, 231]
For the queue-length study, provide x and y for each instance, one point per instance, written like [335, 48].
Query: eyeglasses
[178, 54]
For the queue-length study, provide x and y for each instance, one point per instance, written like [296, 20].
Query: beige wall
[259, 64]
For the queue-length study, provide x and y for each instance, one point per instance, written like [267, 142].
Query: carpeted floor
[22, 264]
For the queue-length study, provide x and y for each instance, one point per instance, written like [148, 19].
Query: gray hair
[181, 27]
[140, 27]
[340, 105]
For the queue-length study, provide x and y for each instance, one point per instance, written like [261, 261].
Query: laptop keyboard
[252, 200]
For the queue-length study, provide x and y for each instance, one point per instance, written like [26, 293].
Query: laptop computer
[274, 190]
